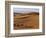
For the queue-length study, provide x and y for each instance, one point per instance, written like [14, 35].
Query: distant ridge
[30, 13]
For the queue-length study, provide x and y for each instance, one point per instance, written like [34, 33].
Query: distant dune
[26, 21]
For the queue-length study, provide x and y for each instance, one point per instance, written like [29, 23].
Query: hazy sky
[25, 10]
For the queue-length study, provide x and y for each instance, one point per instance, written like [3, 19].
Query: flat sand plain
[26, 21]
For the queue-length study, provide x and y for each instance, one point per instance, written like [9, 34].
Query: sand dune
[26, 21]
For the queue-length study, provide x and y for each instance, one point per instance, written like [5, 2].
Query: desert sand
[26, 21]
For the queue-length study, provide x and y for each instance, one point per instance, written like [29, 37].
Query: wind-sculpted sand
[26, 21]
